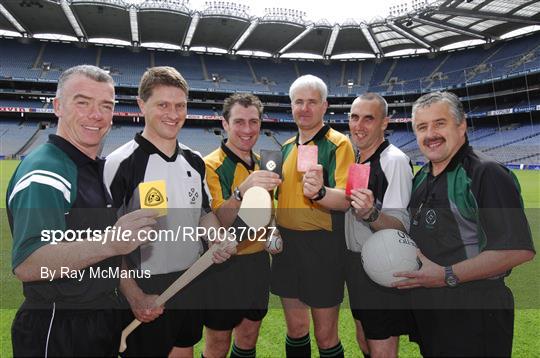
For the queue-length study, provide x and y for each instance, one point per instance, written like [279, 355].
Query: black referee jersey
[188, 199]
[472, 206]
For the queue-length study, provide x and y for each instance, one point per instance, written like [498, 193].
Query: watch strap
[320, 194]
[373, 216]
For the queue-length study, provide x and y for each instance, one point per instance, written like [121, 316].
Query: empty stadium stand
[33, 61]
[44, 61]
[514, 144]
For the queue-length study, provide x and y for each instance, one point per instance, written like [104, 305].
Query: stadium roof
[428, 27]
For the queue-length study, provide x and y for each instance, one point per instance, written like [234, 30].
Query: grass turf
[524, 281]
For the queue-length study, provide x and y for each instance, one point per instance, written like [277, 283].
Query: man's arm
[491, 263]
[313, 181]
[228, 211]
[502, 219]
[385, 221]
[487, 264]
[78, 255]
[226, 247]
[334, 199]
[394, 214]
[363, 201]
[142, 305]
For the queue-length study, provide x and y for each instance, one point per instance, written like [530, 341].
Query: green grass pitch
[524, 281]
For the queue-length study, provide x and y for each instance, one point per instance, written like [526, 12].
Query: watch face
[237, 195]
[451, 281]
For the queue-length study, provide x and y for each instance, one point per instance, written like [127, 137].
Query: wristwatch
[320, 194]
[450, 277]
[237, 194]
[373, 216]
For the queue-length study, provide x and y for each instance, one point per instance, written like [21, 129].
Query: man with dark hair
[380, 313]
[232, 169]
[468, 221]
[309, 274]
[58, 188]
[156, 155]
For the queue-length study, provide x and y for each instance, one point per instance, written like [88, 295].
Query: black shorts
[310, 267]
[180, 325]
[384, 312]
[66, 333]
[461, 330]
[236, 289]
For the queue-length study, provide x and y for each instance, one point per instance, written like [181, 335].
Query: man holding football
[468, 221]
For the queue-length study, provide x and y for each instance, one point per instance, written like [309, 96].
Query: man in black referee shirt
[468, 221]
[58, 187]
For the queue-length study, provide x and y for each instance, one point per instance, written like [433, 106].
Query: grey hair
[311, 82]
[372, 96]
[455, 106]
[92, 72]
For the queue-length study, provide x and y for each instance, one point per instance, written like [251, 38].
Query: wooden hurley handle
[195, 270]
[126, 332]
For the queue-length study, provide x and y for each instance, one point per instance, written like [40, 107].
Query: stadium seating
[278, 75]
[61, 56]
[189, 65]
[380, 73]
[229, 70]
[118, 136]
[516, 144]
[203, 140]
[33, 60]
[125, 66]
[44, 61]
[21, 103]
[14, 135]
[329, 73]
[18, 59]
[41, 137]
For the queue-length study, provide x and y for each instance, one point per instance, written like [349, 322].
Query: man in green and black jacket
[468, 221]
[57, 190]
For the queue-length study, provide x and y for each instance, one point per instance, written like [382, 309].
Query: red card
[307, 157]
[358, 177]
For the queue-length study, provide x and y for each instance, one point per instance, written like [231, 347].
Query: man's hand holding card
[362, 199]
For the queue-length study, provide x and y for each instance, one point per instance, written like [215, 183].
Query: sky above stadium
[333, 11]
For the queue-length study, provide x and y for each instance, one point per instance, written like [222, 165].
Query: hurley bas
[92, 272]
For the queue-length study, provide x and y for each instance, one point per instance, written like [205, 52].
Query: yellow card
[153, 195]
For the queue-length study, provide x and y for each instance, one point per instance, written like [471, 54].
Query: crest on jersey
[431, 217]
[193, 195]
